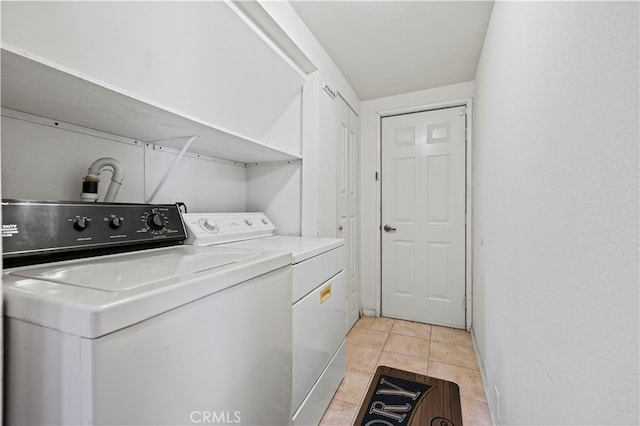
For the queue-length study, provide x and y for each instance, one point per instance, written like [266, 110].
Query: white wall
[370, 189]
[276, 190]
[203, 185]
[556, 212]
[319, 143]
[46, 163]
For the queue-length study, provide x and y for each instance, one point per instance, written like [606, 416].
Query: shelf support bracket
[172, 168]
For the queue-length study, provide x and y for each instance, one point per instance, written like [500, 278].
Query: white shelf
[31, 86]
[187, 68]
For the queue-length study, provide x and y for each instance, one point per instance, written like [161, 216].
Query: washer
[158, 333]
[319, 300]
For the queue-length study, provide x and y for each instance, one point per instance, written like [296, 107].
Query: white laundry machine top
[93, 296]
[253, 231]
[301, 248]
[314, 258]
[118, 274]
[96, 296]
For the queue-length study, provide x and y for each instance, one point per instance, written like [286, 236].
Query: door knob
[340, 228]
[387, 228]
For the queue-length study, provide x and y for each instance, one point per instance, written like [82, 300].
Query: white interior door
[348, 127]
[423, 216]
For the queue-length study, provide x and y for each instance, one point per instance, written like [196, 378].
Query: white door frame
[468, 103]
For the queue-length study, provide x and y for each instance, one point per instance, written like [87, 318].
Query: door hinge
[377, 176]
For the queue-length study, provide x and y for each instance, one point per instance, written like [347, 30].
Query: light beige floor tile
[470, 381]
[407, 345]
[366, 337]
[353, 386]
[413, 329]
[475, 412]
[451, 335]
[339, 413]
[449, 353]
[443, 352]
[362, 358]
[404, 362]
[379, 324]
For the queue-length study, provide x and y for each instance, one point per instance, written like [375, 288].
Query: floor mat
[397, 397]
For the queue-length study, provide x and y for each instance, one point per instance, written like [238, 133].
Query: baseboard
[369, 313]
[485, 382]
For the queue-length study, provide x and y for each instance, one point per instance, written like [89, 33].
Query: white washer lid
[135, 270]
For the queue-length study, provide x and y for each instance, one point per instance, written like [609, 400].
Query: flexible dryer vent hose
[90, 183]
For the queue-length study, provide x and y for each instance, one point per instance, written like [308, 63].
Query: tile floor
[441, 352]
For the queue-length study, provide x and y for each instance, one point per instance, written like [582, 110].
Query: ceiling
[391, 47]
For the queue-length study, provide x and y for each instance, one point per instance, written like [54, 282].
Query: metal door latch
[387, 228]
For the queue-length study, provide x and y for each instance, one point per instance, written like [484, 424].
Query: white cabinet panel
[347, 195]
[151, 71]
[318, 331]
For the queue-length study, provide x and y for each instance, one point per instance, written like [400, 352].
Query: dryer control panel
[216, 228]
[39, 228]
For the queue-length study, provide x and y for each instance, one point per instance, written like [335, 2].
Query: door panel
[438, 168]
[404, 267]
[405, 172]
[423, 198]
[347, 224]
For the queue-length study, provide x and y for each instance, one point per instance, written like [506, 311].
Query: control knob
[210, 225]
[155, 222]
[81, 223]
[116, 222]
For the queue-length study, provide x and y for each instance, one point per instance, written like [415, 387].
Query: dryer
[318, 300]
[109, 319]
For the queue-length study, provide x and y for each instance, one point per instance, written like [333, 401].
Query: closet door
[347, 203]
